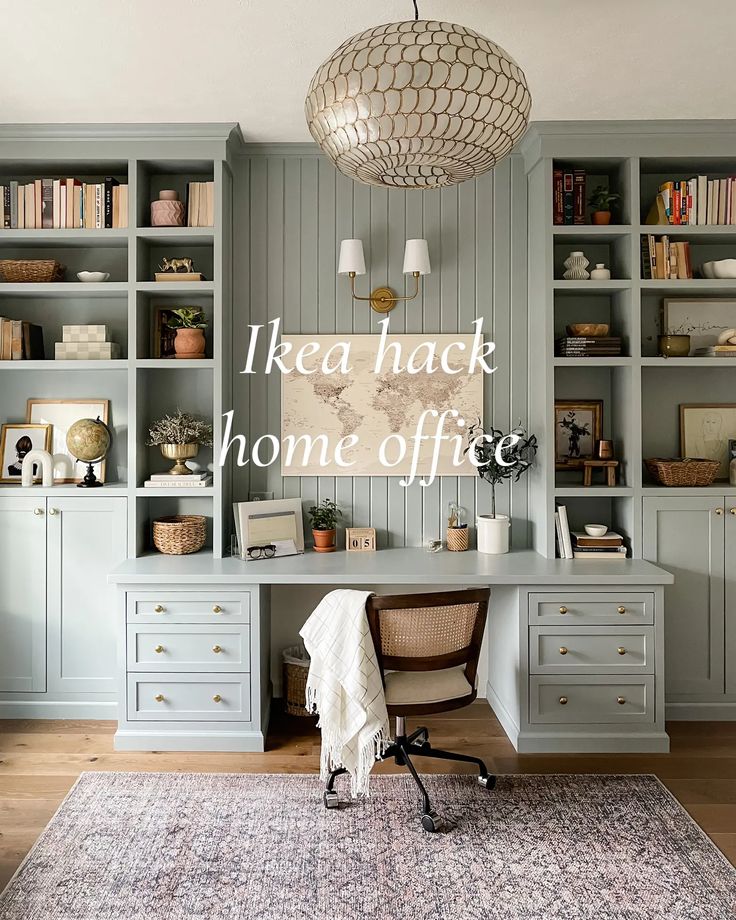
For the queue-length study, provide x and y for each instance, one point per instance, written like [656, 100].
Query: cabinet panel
[575, 608]
[189, 697]
[730, 578]
[591, 650]
[685, 535]
[180, 647]
[86, 539]
[22, 594]
[188, 607]
[592, 700]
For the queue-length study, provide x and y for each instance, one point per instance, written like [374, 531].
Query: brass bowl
[595, 330]
[180, 453]
[673, 346]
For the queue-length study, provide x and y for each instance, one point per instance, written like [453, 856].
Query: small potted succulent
[190, 324]
[601, 199]
[324, 523]
[180, 436]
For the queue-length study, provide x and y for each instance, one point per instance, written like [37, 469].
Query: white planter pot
[493, 533]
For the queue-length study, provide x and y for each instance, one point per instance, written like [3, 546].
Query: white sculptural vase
[576, 265]
[40, 458]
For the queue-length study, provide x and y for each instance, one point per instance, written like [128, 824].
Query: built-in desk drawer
[591, 650]
[189, 697]
[188, 647]
[188, 607]
[602, 609]
[576, 699]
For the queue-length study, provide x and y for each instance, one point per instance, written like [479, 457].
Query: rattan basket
[295, 670]
[180, 534]
[688, 471]
[20, 271]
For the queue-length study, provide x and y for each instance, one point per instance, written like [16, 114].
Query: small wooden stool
[608, 465]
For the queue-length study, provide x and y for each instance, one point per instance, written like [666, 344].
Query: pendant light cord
[416, 11]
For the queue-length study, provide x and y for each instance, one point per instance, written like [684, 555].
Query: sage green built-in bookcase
[139, 387]
[641, 391]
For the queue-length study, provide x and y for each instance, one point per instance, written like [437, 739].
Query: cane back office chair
[427, 647]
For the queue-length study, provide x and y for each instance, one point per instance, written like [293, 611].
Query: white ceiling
[251, 60]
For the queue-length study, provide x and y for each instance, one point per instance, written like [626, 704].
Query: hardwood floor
[40, 760]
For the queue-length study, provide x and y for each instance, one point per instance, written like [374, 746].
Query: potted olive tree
[601, 199]
[324, 525]
[179, 436]
[498, 456]
[190, 324]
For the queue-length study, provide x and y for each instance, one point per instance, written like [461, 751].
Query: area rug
[184, 846]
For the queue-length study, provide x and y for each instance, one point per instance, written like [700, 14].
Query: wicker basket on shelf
[21, 271]
[296, 668]
[688, 471]
[180, 534]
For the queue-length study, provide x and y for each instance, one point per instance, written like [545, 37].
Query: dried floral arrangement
[180, 428]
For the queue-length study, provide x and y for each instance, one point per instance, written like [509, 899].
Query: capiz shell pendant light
[418, 104]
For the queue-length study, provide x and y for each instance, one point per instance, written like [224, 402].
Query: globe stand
[90, 481]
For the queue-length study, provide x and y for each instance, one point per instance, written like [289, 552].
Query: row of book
[20, 341]
[579, 545]
[63, 204]
[662, 259]
[201, 204]
[169, 481]
[568, 196]
[581, 346]
[695, 202]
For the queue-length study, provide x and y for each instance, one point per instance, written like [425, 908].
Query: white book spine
[565, 527]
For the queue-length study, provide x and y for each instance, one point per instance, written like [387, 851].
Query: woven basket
[296, 669]
[685, 472]
[457, 539]
[20, 271]
[180, 534]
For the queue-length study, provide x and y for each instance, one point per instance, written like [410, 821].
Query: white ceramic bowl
[724, 268]
[93, 277]
[707, 269]
[596, 530]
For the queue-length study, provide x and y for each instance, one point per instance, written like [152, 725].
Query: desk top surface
[400, 566]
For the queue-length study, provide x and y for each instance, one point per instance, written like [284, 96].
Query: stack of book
[597, 549]
[715, 351]
[663, 260]
[63, 204]
[201, 204]
[583, 346]
[20, 341]
[568, 196]
[696, 201]
[169, 481]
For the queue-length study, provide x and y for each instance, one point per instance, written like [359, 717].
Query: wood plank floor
[40, 760]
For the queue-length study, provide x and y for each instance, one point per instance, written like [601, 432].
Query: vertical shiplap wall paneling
[241, 314]
[292, 214]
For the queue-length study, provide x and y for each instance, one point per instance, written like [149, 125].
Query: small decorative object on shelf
[598, 544]
[704, 432]
[181, 269]
[31, 271]
[29, 470]
[675, 471]
[360, 539]
[673, 346]
[596, 530]
[608, 466]
[180, 534]
[498, 457]
[17, 442]
[723, 269]
[89, 440]
[190, 325]
[601, 200]
[179, 437]
[324, 523]
[588, 340]
[61, 415]
[93, 277]
[600, 273]
[593, 330]
[434, 546]
[85, 343]
[457, 528]
[168, 211]
[578, 426]
[604, 449]
[576, 265]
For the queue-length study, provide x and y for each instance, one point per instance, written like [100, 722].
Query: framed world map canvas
[373, 406]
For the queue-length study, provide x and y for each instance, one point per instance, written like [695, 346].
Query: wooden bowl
[594, 330]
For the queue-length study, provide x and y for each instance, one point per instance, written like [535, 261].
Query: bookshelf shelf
[173, 236]
[174, 363]
[75, 289]
[593, 492]
[590, 287]
[601, 233]
[63, 237]
[693, 363]
[175, 288]
[51, 365]
[701, 285]
[726, 231]
[617, 361]
[174, 492]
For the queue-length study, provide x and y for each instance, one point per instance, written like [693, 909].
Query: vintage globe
[419, 104]
[88, 440]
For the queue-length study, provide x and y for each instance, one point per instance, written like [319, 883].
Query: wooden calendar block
[360, 539]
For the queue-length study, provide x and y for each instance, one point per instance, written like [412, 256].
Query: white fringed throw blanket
[345, 687]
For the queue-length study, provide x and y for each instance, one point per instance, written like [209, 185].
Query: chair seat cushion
[410, 687]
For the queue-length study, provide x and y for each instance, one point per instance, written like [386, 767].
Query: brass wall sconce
[383, 299]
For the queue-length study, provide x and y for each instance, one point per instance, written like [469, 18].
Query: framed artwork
[162, 338]
[705, 432]
[702, 318]
[578, 425]
[61, 414]
[269, 522]
[15, 442]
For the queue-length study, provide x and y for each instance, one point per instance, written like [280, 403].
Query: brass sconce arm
[383, 299]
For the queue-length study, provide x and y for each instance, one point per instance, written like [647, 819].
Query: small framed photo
[162, 337]
[61, 414]
[15, 442]
[578, 426]
[706, 432]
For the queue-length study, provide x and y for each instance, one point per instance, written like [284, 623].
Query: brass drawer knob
[159, 697]
[217, 609]
[620, 700]
[622, 610]
[563, 701]
[159, 649]
[38, 511]
[563, 650]
[53, 511]
[732, 510]
[563, 610]
[158, 609]
[216, 649]
[217, 698]
[719, 511]
[621, 650]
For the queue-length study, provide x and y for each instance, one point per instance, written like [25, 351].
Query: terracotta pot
[189, 343]
[324, 541]
[601, 217]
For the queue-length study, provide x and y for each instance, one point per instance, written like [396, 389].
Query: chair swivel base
[401, 750]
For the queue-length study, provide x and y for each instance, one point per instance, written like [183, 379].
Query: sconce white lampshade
[351, 258]
[416, 257]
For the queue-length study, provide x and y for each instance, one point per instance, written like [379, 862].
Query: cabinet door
[22, 593]
[686, 536]
[730, 567]
[86, 539]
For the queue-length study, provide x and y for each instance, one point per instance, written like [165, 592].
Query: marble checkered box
[86, 351]
[84, 334]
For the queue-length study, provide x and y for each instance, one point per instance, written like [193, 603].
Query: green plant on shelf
[602, 198]
[180, 428]
[187, 318]
[324, 516]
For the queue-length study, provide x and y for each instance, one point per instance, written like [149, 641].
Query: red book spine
[676, 204]
[558, 217]
[579, 204]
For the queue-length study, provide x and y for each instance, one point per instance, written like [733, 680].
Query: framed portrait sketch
[15, 442]
[578, 425]
[61, 415]
[705, 431]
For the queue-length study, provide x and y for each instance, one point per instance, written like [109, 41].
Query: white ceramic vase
[600, 273]
[493, 534]
[576, 265]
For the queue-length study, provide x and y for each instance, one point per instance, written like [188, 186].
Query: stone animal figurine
[176, 265]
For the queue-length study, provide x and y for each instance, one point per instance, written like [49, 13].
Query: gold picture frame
[705, 430]
[60, 414]
[573, 446]
[6, 476]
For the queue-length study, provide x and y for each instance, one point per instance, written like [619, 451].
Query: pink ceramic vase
[168, 211]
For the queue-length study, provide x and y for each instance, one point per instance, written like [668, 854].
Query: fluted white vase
[576, 265]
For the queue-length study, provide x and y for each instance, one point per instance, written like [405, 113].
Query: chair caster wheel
[331, 799]
[431, 822]
[488, 781]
